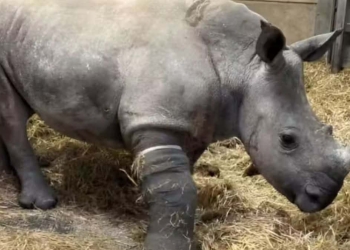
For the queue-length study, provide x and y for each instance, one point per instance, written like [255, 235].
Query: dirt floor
[100, 205]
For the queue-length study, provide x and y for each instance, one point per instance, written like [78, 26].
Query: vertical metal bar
[340, 22]
[331, 26]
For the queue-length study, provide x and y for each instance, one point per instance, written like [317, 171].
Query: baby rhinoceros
[164, 79]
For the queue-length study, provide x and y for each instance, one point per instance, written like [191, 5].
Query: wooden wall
[296, 18]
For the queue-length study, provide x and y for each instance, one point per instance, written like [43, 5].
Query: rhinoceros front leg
[170, 192]
[14, 113]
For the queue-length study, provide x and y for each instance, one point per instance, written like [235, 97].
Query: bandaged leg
[171, 194]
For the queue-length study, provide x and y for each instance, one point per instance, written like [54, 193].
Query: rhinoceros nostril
[313, 192]
[328, 129]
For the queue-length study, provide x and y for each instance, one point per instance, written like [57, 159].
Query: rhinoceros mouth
[251, 171]
[291, 197]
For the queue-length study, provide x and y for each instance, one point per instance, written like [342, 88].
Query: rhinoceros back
[99, 70]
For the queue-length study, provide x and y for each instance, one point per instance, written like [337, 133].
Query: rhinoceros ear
[315, 47]
[270, 43]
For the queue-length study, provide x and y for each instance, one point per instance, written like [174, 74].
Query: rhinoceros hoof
[42, 198]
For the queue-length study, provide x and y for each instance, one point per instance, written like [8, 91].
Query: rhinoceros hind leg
[14, 113]
[5, 165]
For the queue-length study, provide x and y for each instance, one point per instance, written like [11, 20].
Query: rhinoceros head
[288, 144]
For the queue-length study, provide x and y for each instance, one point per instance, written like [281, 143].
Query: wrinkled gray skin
[136, 74]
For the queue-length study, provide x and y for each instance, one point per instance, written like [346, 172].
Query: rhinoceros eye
[288, 141]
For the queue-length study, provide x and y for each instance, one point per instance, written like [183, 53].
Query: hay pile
[100, 209]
